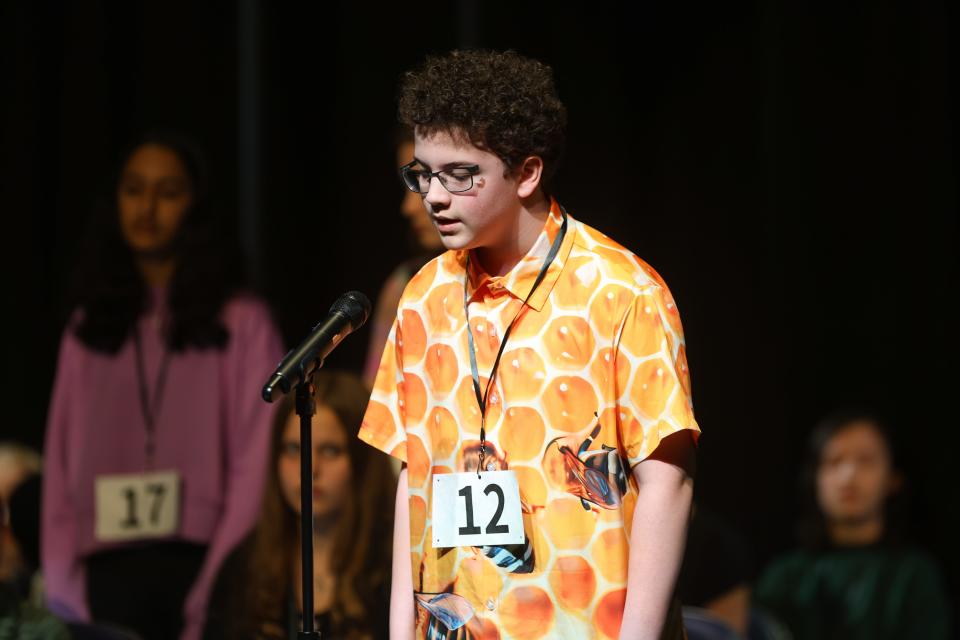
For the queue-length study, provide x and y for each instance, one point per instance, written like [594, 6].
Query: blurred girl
[258, 592]
[156, 435]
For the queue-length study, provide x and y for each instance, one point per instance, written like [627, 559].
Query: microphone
[347, 314]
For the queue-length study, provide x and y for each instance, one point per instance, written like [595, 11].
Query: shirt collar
[520, 279]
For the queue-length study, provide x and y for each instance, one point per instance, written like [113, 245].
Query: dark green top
[21, 621]
[865, 592]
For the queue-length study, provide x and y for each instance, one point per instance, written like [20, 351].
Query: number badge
[473, 512]
[137, 505]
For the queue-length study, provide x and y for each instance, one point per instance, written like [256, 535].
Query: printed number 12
[494, 525]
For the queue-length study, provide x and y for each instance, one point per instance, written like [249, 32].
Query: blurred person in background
[17, 463]
[156, 437]
[19, 466]
[19, 498]
[258, 591]
[424, 244]
[21, 615]
[854, 577]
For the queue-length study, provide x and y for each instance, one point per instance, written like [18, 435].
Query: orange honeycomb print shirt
[593, 376]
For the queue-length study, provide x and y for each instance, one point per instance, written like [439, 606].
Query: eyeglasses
[455, 180]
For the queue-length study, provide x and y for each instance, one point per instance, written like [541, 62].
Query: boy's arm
[658, 535]
[401, 589]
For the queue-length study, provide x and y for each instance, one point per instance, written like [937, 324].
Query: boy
[534, 381]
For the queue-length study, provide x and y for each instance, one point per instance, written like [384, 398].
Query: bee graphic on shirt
[594, 474]
[450, 616]
[447, 614]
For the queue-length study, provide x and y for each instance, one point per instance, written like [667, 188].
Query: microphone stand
[347, 314]
[305, 409]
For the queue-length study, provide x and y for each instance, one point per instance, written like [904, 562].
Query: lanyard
[482, 397]
[149, 411]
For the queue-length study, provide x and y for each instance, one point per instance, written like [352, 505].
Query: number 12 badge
[471, 510]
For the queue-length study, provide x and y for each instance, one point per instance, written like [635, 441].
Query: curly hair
[111, 293]
[500, 101]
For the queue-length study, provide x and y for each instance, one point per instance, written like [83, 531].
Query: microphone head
[355, 306]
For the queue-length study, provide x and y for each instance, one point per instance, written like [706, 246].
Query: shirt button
[491, 466]
[491, 604]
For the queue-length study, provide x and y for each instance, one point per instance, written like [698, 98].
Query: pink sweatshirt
[211, 426]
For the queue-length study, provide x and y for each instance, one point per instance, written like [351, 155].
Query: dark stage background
[788, 169]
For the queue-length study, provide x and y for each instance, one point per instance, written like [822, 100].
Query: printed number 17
[132, 521]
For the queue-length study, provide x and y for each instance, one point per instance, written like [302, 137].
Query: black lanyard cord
[482, 397]
[150, 412]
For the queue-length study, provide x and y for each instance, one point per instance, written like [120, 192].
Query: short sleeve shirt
[593, 376]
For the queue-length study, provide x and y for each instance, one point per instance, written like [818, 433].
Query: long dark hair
[361, 557]
[812, 528]
[108, 290]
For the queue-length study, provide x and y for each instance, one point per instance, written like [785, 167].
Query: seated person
[20, 617]
[17, 463]
[258, 591]
[19, 480]
[853, 578]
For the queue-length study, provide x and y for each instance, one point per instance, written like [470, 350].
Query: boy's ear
[529, 174]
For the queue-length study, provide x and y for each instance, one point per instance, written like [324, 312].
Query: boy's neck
[501, 259]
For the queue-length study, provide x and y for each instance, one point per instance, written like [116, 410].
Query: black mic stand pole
[306, 409]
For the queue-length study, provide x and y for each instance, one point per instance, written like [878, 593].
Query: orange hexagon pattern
[594, 375]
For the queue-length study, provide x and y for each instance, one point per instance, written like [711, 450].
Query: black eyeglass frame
[407, 169]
